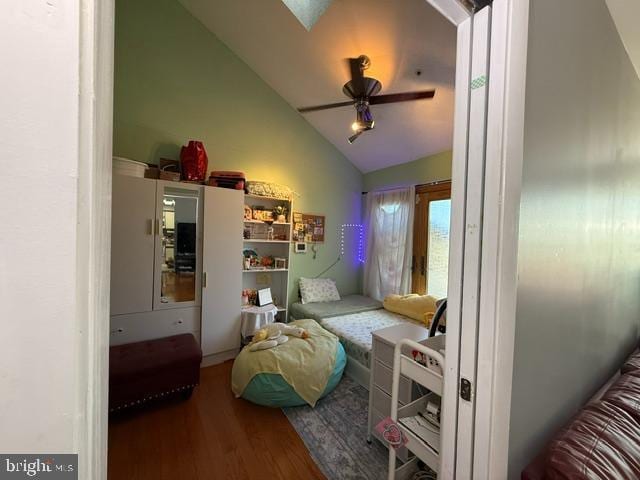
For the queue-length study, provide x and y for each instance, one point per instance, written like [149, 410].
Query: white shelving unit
[425, 448]
[259, 240]
[275, 278]
[260, 221]
[265, 270]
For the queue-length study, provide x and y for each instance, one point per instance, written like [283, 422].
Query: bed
[354, 330]
[347, 305]
[352, 319]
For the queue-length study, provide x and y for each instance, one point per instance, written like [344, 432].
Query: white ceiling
[626, 14]
[307, 67]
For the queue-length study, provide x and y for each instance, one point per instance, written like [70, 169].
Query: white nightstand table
[254, 318]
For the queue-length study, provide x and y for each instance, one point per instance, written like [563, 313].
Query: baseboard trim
[217, 358]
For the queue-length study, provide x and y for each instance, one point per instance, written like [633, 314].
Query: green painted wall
[424, 170]
[175, 81]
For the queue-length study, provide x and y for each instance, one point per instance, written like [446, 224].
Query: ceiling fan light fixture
[360, 122]
[353, 137]
[364, 120]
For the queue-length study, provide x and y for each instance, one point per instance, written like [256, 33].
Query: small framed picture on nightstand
[264, 297]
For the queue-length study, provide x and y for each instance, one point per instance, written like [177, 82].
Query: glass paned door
[438, 247]
[430, 261]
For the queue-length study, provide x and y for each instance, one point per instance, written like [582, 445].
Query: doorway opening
[473, 65]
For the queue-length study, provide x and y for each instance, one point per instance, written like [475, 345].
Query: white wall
[578, 302]
[39, 151]
[49, 279]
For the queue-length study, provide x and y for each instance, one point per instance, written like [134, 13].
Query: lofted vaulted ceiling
[625, 14]
[401, 37]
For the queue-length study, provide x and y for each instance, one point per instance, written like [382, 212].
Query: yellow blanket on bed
[305, 364]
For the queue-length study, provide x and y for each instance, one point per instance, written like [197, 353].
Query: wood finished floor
[179, 287]
[211, 436]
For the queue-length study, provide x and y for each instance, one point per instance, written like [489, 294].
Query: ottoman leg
[186, 394]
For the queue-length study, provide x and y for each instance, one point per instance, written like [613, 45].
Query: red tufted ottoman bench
[142, 371]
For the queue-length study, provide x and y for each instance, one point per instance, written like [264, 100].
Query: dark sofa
[602, 441]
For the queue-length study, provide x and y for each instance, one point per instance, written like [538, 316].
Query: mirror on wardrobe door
[179, 245]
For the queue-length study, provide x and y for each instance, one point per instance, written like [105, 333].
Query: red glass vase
[194, 161]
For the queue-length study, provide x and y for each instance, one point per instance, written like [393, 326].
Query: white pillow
[318, 290]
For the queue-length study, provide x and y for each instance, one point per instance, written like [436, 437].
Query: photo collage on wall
[308, 228]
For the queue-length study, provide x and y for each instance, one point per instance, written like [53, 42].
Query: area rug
[335, 432]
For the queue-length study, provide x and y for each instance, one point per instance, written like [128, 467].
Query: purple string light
[360, 227]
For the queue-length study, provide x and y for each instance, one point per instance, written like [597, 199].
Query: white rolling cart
[425, 447]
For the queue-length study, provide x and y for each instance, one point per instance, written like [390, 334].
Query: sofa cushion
[632, 364]
[602, 442]
[625, 393]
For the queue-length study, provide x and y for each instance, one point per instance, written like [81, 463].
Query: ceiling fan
[363, 93]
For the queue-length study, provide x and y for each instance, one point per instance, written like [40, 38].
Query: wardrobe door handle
[150, 226]
[204, 279]
[422, 266]
[157, 226]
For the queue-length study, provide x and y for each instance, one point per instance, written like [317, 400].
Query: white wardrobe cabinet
[163, 234]
[222, 260]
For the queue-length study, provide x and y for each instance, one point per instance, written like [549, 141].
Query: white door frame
[473, 224]
[505, 119]
[94, 231]
[503, 175]
[449, 427]
[492, 316]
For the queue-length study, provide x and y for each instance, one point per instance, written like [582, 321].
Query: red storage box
[227, 179]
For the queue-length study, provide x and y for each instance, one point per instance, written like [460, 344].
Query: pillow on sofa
[417, 307]
[318, 290]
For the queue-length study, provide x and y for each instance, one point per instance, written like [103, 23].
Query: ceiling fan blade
[325, 107]
[401, 97]
[355, 67]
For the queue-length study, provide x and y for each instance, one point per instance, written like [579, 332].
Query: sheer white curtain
[389, 239]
